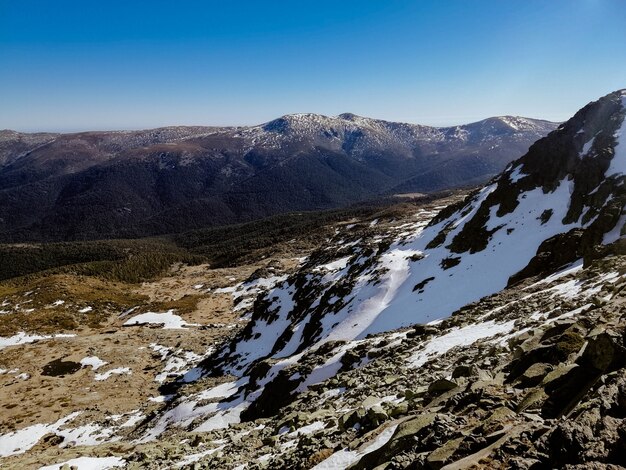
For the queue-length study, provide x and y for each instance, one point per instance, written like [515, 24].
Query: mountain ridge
[125, 184]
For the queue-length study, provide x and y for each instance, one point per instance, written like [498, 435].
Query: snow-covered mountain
[135, 183]
[558, 203]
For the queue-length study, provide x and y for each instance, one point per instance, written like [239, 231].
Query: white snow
[516, 174]
[459, 337]
[223, 419]
[587, 146]
[159, 399]
[133, 419]
[224, 390]
[220, 415]
[566, 271]
[168, 319]
[89, 463]
[616, 233]
[24, 338]
[344, 458]
[383, 297]
[618, 162]
[176, 363]
[195, 457]
[93, 361]
[308, 429]
[226, 290]
[85, 310]
[18, 442]
[109, 373]
[86, 435]
[567, 290]
[334, 265]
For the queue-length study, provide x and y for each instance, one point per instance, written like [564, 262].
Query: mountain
[559, 204]
[482, 329]
[556, 204]
[95, 185]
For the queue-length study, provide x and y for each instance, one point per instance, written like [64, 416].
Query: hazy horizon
[139, 128]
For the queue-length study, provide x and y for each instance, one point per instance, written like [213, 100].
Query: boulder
[533, 375]
[444, 454]
[406, 436]
[440, 386]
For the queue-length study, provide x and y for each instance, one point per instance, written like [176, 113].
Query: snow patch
[18, 442]
[89, 463]
[93, 361]
[460, 337]
[167, 319]
[345, 458]
[23, 338]
[618, 162]
[109, 373]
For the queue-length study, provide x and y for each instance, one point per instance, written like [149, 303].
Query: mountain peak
[350, 116]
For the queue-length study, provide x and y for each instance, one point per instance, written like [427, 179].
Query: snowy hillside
[360, 134]
[568, 191]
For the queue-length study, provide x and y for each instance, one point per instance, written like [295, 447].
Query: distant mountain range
[92, 185]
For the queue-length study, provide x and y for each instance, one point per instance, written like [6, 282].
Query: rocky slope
[557, 204]
[128, 184]
[482, 332]
[560, 203]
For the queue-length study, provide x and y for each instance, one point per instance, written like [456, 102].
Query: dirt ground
[28, 396]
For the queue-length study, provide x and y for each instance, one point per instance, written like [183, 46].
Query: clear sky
[75, 65]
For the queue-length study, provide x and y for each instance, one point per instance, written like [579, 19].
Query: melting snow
[516, 174]
[18, 442]
[89, 463]
[566, 271]
[345, 458]
[23, 338]
[618, 162]
[308, 429]
[616, 233]
[222, 391]
[460, 337]
[93, 361]
[334, 265]
[587, 146]
[195, 457]
[109, 373]
[167, 319]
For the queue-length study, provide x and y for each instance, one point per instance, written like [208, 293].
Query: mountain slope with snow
[556, 196]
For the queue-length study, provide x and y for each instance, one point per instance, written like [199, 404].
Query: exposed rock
[441, 386]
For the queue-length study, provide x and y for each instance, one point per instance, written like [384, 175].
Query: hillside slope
[95, 185]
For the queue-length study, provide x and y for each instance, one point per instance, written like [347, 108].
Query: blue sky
[70, 65]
